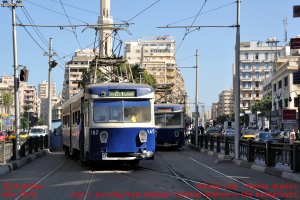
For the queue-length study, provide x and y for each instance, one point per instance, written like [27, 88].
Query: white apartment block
[157, 56]
[73, 71]
[225, 104]
[256, 63]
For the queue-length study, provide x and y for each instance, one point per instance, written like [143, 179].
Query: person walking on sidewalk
[292, 136]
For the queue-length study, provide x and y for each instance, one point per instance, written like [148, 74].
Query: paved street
[185, 174]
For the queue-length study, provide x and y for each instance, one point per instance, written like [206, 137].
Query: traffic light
[24, 75]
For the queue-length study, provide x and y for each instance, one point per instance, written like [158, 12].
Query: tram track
[40, 181]
[187, 181]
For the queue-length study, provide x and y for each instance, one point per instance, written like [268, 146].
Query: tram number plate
[104, 155]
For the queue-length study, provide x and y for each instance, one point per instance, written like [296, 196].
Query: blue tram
[110, 121]
[169, 124]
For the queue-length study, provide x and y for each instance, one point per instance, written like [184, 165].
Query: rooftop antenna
[285, 24]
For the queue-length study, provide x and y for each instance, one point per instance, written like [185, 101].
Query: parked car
[264, 137]
[23, 135]
[214, 132]
[11, 134]
[37, 131]
[229, 132]
[3, 136]
[249, 134]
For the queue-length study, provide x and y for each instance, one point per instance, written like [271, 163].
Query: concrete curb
[16, 164]
[267, 170]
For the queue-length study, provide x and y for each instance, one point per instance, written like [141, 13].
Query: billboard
[289, 116]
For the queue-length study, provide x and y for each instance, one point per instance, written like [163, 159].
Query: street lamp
[290, 99]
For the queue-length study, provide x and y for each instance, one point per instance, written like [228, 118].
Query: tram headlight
[103, 137]
[143, 136]
[176, 133]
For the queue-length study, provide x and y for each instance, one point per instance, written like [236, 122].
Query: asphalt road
[173, 174]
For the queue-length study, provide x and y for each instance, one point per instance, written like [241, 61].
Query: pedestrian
[298, 135]
[292, 136]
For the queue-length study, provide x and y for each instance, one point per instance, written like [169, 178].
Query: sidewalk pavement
[16, 164]
[279, 172]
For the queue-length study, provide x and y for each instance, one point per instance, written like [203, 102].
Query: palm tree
[26, 108]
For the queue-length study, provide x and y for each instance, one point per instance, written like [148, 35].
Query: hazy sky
[260, 19]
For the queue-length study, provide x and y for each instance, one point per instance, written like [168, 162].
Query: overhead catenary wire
[55, 11]
[74, 33]
[209, 11]
[188, 29]
[143, 10]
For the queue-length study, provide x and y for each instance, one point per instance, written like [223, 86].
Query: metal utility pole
[196, 102]
[13, 6]
[52, 64]
[237, 86]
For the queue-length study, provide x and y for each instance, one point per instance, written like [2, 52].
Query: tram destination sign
[122, 93]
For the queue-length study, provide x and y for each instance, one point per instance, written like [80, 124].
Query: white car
[37, 131]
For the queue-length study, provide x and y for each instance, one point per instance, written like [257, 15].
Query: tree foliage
[264, 105]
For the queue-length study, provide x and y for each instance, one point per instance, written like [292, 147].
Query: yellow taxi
[24, 135]
[249, 134]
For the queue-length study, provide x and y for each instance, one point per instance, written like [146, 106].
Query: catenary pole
[237, 85]
[50, 92]
[196, 102]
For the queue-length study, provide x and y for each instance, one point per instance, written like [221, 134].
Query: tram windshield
[168, 119]
[127, 111]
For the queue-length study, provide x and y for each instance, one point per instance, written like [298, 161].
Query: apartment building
[225, 103]
[157, 56]
[257, 60]
[283, 89]
[73, 71]
[43, 89]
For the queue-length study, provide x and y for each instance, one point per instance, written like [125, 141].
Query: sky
[259, 20]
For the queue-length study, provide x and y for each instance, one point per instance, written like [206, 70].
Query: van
[37, 131]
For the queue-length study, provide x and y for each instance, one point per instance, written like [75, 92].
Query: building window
[279, 84]
[256, 56]
[296, 102]
[266, 66]
[286, 81]
[257, 94]
[286, 103]
[274, 87]
[257, 84]
[246, 56]
[257, 66]
[266, 56]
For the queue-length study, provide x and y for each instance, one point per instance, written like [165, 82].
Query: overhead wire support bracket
[198, 27]
[82, 25]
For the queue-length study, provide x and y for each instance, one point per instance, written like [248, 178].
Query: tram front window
[121, 111]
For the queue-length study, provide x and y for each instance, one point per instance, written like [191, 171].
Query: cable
[143, 10]
[203, 13]
[56, 11]
[37, 31]
[70, 23]
[188, 29]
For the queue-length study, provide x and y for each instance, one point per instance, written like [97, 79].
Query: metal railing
[27, 146]
[268, 153]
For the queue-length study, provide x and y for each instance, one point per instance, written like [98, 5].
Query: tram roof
[141, 89]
